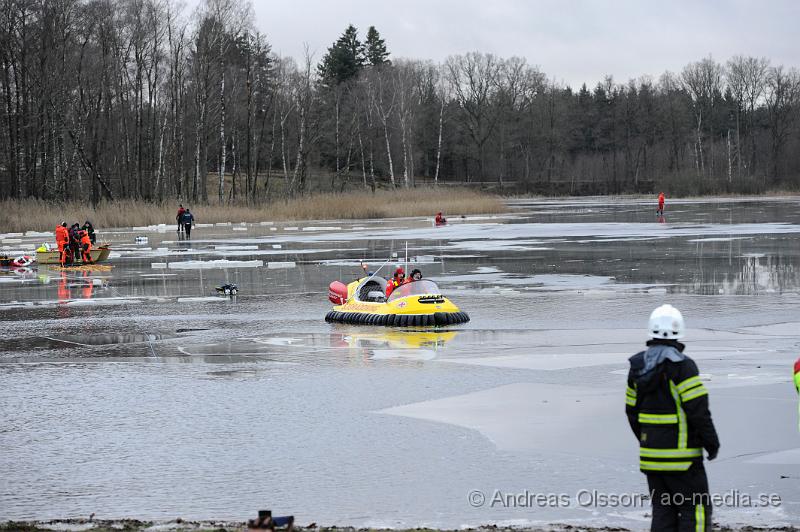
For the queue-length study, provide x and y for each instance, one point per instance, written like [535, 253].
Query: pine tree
[376, 53]
[344, 60]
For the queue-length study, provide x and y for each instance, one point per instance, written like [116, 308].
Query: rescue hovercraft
[417, 303]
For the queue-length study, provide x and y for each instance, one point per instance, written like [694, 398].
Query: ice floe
[210, 264]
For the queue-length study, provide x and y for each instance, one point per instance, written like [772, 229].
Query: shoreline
[180, 525]
[36, 215]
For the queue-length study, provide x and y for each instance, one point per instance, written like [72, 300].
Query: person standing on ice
[187, 219]
[660, 210]
[62, 241]
[797, 387]
[667, 408]
[178, 219]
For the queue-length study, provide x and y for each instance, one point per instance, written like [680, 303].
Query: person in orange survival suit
[86, 248]
[396, 280]
[660, 210]
[62, 240]
[797, 386]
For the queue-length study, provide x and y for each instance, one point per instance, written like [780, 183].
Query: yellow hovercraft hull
[410, 311]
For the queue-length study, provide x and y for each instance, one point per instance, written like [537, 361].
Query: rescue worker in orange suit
[62, 241]
[397, 279]
[660, 210]
[86, 248]
[440, 220]
[667, 408]
[797, 387]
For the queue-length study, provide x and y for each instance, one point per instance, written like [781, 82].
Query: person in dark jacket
[187, 219]
[178, 217]
[667, 408]
[75, 241]
[89, 228]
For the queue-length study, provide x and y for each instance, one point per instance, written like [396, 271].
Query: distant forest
[115, 99]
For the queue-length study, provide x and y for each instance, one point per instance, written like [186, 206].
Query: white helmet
[666, 322]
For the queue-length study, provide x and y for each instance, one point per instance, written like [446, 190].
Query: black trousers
[188, 229]
[681, 502]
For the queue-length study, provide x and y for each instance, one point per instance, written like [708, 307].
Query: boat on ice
[415, 304]
[98, 254]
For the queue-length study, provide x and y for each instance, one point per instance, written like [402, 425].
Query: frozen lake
[138, 392]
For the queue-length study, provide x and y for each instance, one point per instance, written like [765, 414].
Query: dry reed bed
[37, 215]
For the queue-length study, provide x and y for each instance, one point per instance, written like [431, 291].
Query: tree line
[112, 99]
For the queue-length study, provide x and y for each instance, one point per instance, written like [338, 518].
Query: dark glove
[712, 453]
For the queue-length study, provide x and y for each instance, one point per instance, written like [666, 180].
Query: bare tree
[703, 81]
[473, 79]
[782, 101]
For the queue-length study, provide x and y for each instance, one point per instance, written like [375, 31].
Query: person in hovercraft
[416, 275]
[397, 279]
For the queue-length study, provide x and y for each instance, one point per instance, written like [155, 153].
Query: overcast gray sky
[572, 41]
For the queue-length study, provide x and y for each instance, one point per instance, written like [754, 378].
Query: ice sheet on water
[513, 417]
[211, 264]
[403, 354]
[278, 265]
[719, 239]
[787, 457]
[201, 299]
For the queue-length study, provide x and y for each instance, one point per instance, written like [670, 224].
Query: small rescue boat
[415, 304]
[99, 254]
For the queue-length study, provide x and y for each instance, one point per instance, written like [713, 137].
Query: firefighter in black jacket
[667, 407]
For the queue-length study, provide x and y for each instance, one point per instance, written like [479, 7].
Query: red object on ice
[337, 293]
[21, 261]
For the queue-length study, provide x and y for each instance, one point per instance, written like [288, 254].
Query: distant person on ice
[660, 210]
[667, 408]
[440, 220]
[797, 387]
[178, 219]
[187, 219]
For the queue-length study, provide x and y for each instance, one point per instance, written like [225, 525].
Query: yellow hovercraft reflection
[415, 304]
